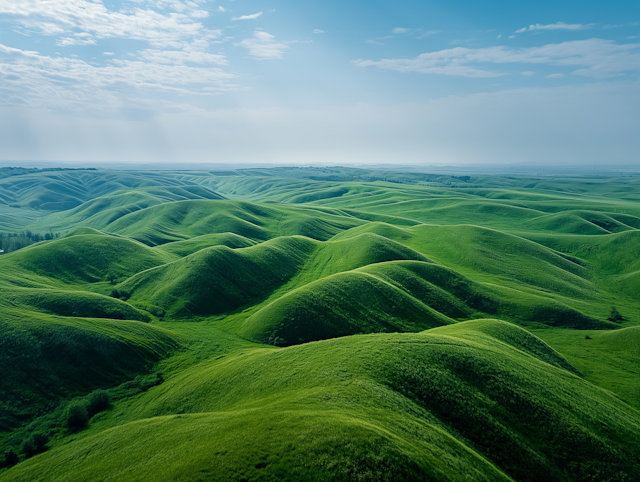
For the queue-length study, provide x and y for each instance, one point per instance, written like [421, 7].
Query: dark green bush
[145, 383]
[97, 401]
[156, 311]
[615, 315]
[9, 460]
[35, 444]
[120, 294]
[75, 415]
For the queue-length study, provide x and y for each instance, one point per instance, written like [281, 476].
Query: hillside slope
[475, 401]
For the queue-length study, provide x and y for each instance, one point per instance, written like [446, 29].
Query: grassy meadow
[318, 324]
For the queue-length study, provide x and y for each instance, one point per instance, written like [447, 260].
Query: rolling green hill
[319, 324]
[482, 400]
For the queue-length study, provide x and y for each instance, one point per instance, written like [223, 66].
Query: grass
[320, 324]
[447, 404]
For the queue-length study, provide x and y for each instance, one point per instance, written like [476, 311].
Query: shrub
[156, 311]
[122, 295]
[35, 444]
[97, 401]
[151, 381]
[10, 459]
[75, 415]
[615, 315]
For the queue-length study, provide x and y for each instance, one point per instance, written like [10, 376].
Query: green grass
[47, 358]
[448, 404]
[321, 324]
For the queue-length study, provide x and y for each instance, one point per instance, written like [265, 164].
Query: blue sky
[401, 82]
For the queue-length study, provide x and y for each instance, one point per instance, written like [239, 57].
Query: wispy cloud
[317, 30]
[428, 33]
[264, 46]
[221, 9]
[253, 16]
[399, 30]
[66, 83]
[593, 58]
[555, 26]
[82, 38]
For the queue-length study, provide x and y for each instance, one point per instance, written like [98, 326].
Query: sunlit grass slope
[611, 359]
[83, 258]
[481, 400]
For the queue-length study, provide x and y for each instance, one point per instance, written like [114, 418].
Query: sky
[311, 81]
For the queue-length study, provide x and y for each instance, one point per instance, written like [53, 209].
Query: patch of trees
[14, 241]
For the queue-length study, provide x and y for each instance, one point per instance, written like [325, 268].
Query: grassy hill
[319, 324]
[479, 400]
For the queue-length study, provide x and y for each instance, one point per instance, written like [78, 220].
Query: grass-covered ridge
[319, 324]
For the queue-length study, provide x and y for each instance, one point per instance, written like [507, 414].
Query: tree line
[13, 241]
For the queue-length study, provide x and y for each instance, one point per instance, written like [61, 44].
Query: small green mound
[441, 288]
[190, 246]
[339, 305]
[556, 314]
[333, 257]
[83, 230]
[220, 279]
[75, 304]
[564, 223]
[382, 229]
[85, 258]
[511, 335]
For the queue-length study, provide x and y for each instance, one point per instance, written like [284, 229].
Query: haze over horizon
[171, 81]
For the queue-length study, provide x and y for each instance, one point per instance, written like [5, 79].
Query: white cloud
[555, 26]
[263, 46]
[593, 58]
[221, 9]
[426, 34]
[108, 53]
[93, 18]
[399, 30]
[72, 84]
[499, 36]
[528, 73]
[317, 30]
[193, 56]
[554, 76]
[248, 17]
[76, 40]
